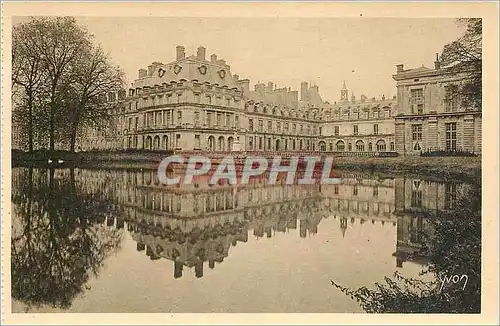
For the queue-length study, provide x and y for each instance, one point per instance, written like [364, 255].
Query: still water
[94, 240]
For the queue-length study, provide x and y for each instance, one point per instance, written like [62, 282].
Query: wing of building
[431, 116]
[198, 104]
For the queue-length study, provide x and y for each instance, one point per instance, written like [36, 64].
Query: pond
[104, 240]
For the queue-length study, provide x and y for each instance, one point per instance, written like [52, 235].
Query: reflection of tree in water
[455, 249]
[61, 239]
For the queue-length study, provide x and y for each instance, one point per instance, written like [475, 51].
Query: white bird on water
[60, 161]
[49, 161]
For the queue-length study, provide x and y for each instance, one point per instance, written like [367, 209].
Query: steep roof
[190, 68]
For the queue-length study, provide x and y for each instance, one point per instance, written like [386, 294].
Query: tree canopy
[464, 56]
[61, 80]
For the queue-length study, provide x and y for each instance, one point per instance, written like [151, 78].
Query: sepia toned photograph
[245, 164]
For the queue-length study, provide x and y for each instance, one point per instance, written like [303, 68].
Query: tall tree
[27, 79]
[59, 71]
[464, 56]
[94, 79]
[59, 43]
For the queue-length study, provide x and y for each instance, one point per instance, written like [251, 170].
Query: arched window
[381, 147]
[360, 146]
[340, 146]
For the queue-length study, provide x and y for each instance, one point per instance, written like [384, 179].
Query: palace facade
[431, 117]
[195, 103]
[198, 104]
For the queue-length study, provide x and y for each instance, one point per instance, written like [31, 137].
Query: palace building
[430, 117]
[195, 103]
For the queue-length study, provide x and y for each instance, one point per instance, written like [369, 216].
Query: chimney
[213, 58]
[303, 91]
[383, 97]
[270, 86]
[437, 63]
[180, 52]
[353, 99]
[244, 85]
[143, 73]
[260, 87]
[200, 54]
[150, 70]
[236, 77]
[363, 98]
[399, 68]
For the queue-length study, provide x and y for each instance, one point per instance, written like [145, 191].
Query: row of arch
[162, 143]
[313, 113]
[359, 146]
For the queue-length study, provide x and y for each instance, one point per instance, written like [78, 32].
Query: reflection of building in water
[417, 201]
[198, 223]
[361, 198]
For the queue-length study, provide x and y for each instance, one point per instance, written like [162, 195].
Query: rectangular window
[219, 119]
[416, 132]
[269, 126]
[261, 125]
[237, 121]
[355, 190]
[355, 130]
[336, 189]
[375, 129]
[129, 123]
[278, 126]
[177, 140]
[179, 117]
[451, 136]
[209, 119]
[451, 99]
[136, 123]
[196, 118]
[336, 130]
[417, 94]
[250, 124]
[197, 141]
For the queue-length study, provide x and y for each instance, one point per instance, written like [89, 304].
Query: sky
[363, 52]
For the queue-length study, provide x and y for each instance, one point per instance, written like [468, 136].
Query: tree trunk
[74, 129]
[52, 127]
[30, 122]
[73, 137]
